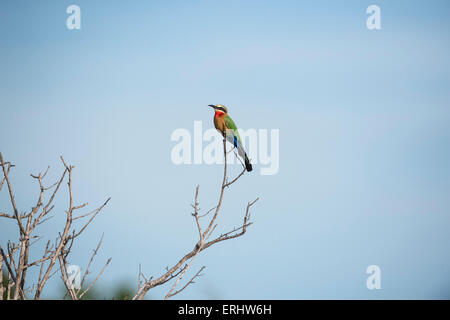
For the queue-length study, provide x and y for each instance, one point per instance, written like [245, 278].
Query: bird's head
[219, 108]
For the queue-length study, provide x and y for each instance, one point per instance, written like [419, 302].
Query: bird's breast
[219, 123]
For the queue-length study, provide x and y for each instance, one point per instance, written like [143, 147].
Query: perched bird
[225, 125]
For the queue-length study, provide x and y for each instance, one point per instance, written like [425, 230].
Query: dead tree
[16, 256]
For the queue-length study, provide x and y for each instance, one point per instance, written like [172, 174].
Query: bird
[225, 125]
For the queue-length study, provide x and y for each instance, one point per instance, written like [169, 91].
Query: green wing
[232, 126]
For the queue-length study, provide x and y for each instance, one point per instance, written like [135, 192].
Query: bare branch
[13, 277]
[11, 195]
[235, 179]
[8, 267]
[65, 278]
[198, 274]
[97, 211]
[5, 215]
[204, 235]
[93, 282]
[90, 262]
[222, 190]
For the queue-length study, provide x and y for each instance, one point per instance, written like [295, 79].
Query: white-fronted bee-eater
[225, 125]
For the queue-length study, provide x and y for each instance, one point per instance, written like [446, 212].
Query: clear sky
[363, 117]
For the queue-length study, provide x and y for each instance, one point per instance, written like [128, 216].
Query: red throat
[218, 114]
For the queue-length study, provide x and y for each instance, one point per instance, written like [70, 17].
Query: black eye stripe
[221, 109]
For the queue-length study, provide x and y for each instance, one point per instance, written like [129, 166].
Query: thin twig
[198, 274]
[92, 283]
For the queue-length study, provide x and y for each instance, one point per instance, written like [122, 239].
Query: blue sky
[364, 133]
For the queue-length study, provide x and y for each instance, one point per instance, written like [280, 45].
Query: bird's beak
[212, 106]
